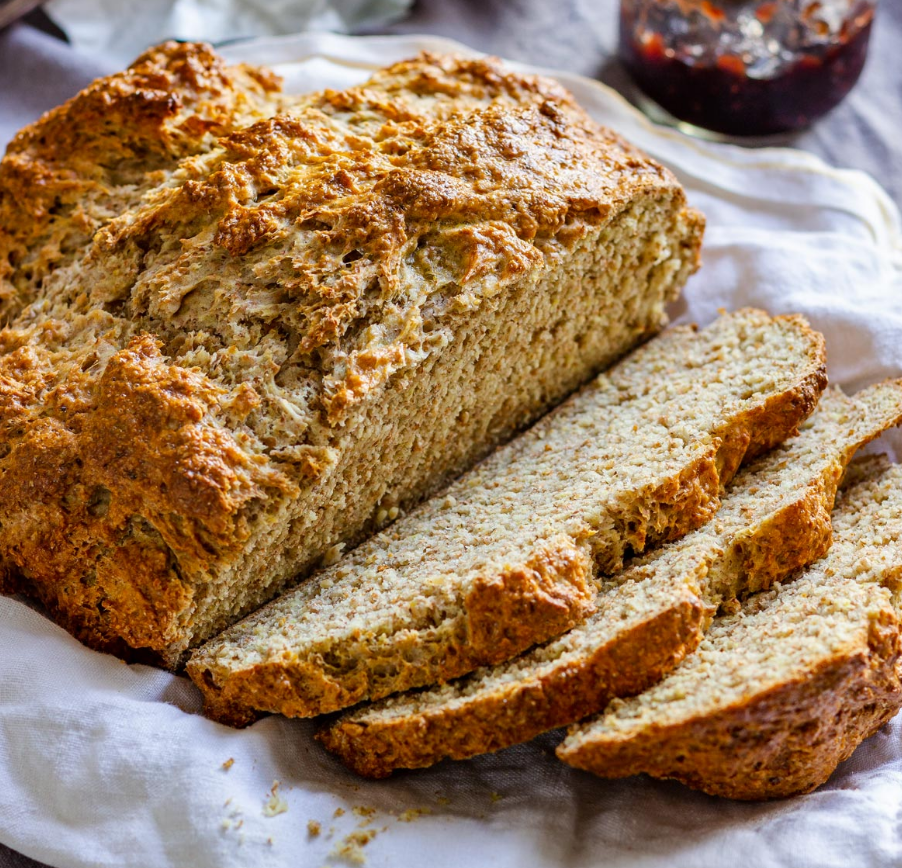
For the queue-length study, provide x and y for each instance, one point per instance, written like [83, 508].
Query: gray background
[39, 71]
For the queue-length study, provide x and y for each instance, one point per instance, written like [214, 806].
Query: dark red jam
[736, 87]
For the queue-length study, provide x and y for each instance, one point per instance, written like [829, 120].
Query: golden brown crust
[670, 510]
[545, 596]
[629, 663]
[792, 538]
[62, 174]
[772, 553]
[190, 259]
[144, 488]
[523, 605]
[774, 420]
[784, 742]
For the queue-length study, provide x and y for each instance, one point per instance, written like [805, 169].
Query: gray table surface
[39, 71]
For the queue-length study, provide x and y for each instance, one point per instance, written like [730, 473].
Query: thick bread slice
[505, 557]
[782, 691]
[244, 329]
[774, 519]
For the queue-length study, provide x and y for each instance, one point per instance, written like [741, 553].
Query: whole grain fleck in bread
[782, 691]
[243, 329]
[506, 556]
[775, 519]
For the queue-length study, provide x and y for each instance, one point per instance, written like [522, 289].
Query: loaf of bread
[245, 329]
[778, 694]
[773, 521]
[507, 556]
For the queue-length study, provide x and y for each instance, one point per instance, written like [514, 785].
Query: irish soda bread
[243, 329]
[774, 519]
[506, 556]
[782, 691]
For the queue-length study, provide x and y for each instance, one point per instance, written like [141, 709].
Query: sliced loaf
[506, 556]
[774, 520]
[782, 691]
[244, 329]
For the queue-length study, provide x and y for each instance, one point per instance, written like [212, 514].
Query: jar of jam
[745, 67]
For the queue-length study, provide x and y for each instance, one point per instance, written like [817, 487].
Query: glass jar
[745, 67]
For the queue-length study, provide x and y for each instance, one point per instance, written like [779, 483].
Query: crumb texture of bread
[507, 556]
[782, 691]
[775, 519]
[244, 329]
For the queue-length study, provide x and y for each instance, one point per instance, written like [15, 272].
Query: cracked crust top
[200, 276]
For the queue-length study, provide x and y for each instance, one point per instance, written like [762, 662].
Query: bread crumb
[351, 847]
[228, 764]
[366, 814]
[234, 820]
[443, 800]
[269, 841]
[496, 797]
[275, 804]
[339, 812]
[313, 828]
[412, 814]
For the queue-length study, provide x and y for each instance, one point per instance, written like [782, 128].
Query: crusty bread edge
[544, 596]
[627, 664]
[785, 741]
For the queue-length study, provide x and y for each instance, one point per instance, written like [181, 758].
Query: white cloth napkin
[121, 31]
[104, 764]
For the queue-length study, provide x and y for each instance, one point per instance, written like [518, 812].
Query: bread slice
[506, 556]
[774, 520]
[785, 689]
[244, 329]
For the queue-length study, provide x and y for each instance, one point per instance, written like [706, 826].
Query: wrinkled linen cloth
[106, 764]
[121, 31]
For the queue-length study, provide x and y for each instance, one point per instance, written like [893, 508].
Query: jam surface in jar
[746, 67]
